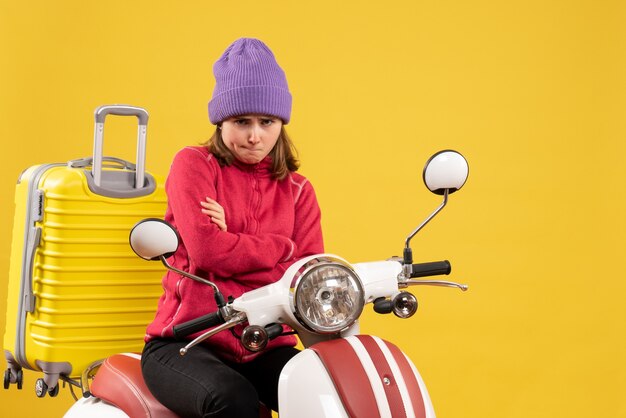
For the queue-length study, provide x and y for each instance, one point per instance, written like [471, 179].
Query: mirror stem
[408, 255]
[219, 298]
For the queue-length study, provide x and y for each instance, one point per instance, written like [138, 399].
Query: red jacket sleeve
[307, 229]
[192, 177]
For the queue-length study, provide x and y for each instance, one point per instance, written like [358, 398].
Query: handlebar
[213, 319]
[435, 268]
[198, 324]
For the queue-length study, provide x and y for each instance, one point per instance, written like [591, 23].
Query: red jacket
[270, 225]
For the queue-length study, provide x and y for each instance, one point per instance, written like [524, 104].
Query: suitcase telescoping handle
[121, 110]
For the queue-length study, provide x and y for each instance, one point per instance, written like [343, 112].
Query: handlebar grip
[435, 268]
[198, 324]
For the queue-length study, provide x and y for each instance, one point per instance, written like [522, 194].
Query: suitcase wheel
[54, 391]
[19, 378]
[41, 388]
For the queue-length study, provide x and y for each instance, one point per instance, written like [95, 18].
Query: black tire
[54, 391]
[41, 388]
[20, 379]
[7, 378]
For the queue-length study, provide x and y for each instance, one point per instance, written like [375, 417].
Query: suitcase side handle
[120, 110]
[34, 238]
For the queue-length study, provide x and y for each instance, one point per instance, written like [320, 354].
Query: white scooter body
[306, 389]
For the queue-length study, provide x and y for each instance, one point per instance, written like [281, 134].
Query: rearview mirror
[444, 173]
[446, 170]
[152, 238]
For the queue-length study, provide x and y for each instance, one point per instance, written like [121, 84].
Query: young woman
[244, 215]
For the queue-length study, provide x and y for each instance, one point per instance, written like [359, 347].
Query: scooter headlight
[327, 296]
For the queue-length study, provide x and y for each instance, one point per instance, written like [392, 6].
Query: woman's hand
[216, 212]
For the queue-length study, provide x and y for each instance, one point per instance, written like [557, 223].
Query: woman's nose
[255, 134]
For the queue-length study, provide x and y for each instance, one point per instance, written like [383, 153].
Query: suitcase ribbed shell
[93, 296]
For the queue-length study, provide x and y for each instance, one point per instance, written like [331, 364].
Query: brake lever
[238, 318]
[442, 283]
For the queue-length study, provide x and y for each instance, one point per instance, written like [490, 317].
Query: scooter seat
[120, 382]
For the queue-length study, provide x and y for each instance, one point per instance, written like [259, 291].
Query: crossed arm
[215, 212]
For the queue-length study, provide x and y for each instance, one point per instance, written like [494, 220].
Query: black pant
[200, 384]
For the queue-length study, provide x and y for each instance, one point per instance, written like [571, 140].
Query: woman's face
[251, 137]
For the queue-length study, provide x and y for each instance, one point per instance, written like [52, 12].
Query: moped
[340, 372]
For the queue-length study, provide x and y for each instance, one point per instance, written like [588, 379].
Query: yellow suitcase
[77, 292]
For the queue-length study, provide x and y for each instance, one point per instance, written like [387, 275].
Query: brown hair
[284, 154]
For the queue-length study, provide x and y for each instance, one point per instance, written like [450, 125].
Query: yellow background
[533, 93]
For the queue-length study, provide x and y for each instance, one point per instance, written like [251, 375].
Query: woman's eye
[267, 122]
[241, 121]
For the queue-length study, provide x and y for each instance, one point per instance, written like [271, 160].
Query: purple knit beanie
[249, 80]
